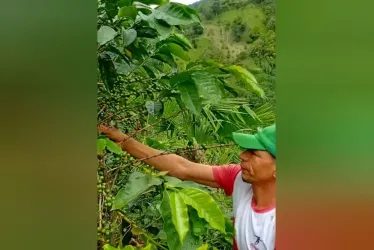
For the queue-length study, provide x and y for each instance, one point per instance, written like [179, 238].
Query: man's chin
[246, 178]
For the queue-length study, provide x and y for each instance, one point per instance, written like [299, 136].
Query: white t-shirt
[255, 229]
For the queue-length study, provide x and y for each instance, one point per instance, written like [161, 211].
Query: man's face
[257, 166]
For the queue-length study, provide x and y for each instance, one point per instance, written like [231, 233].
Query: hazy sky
[184, 1]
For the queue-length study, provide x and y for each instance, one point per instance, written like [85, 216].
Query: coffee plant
[149, 88]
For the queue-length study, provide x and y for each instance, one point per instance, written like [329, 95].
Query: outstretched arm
[176, 165]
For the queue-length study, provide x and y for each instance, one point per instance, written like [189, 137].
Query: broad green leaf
[176, 50]
[154, 144]
[163, 173]
[123, 3]
[184, 76]
[147, 32]
[138, 51]
[149, 247]
[189, 184]
[172, 180]
[205, 206]
[157, 2]
[123, 68]
[190, 97]
[143, 8]
[176, 14]
[154, 108]
[191, 241]
[128, 12]
[111, 9]
[163, 30]
[203, 247]
[105, 34]
[166, 58]
[137, 184]
[198, 224]
[109, 247]
[194, 15]
[151, 72]
[207, 86]
[113, 147]
[117, 52]
[182, 40]
[128, 247]
[210, 62]
[107, 71]
[129, 36]
[247, 78]
[169, 228]
[179, 214]
[101, 143]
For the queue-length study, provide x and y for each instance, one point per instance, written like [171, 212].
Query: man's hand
[112, 133]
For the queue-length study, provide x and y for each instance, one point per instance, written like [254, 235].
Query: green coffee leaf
[101, 144]
[128, 11]
[176, 14]
[205, 206]
[190, 96]
[105, 34]
[179, 214]
[129, 36]
[157, 2]
[137, 184]
[176, 50]
[207, 86]
[203, 247]
[107, 71]
[173, 239]
[113, 147]
[247, 78]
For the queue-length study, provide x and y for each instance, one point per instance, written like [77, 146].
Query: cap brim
[247, 141]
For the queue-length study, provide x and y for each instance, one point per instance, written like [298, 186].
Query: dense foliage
[150, 88]
[243, 33]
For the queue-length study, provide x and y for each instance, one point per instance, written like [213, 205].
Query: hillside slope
[238, 32]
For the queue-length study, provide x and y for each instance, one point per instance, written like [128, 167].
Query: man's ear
[275, 175]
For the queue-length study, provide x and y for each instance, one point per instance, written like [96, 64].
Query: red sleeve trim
[225, 177]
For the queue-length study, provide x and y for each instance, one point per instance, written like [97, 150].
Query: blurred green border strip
[325, 124]
[48, 123]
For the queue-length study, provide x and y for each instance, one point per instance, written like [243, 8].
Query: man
[251, 183]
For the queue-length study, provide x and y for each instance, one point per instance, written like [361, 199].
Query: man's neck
[264, 195]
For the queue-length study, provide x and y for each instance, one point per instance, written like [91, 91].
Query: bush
[238, 28]
[254, 34]
[271, 24]
[242, 55]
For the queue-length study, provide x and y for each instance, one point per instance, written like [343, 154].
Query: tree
[216, 7]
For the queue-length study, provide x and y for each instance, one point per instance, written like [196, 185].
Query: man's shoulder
[225, 176]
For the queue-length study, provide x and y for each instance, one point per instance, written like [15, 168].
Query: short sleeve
[225, 177]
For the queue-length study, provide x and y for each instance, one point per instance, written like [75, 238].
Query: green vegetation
[166, 87]
[243, 33]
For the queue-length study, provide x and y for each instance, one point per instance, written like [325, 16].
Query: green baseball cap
[264, 139]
